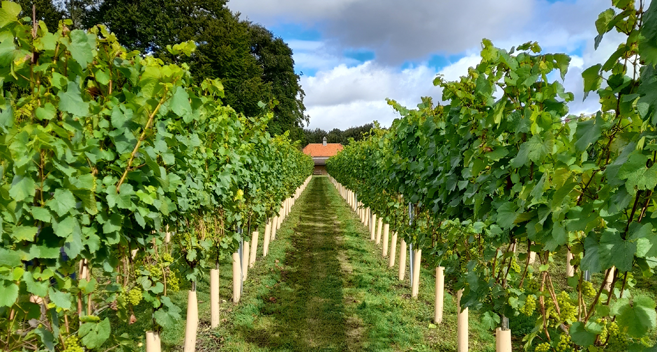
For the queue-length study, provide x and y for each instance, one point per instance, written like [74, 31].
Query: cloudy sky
[353, 54]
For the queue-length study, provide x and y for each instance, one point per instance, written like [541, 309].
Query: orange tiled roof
[318, 149]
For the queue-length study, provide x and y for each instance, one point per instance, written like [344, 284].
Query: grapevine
[499, 169]
[108, 153]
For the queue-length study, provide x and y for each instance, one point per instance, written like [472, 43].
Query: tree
[336, 135]
[252, 65]
[46, 11]
[275, 57]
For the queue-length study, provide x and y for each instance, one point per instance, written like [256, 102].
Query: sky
[353, 54]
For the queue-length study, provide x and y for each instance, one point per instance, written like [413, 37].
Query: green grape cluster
[568, 310]
[122, 298]
[72, 344]
[156, 272]
[173, 282]
[533, 285]
[605, 332]
[587, 289]
[543, 347]
[515, 266]
[617, 340]
[564, 343]
[529, 307]
[449, 253]
[167, 258]
[135, 296]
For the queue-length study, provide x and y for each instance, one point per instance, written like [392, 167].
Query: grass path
[325, 287]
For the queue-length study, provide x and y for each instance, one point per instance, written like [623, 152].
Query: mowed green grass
[323, 287]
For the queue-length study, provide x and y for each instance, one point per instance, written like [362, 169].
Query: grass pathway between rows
[325, 287]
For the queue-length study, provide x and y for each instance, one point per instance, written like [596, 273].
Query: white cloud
[414, 29]
[314, 55]
[345, 93]
[351, 96]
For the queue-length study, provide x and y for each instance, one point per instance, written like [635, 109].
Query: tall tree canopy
[275, 57]
[336, 135]
[47, 12]
[253, 65]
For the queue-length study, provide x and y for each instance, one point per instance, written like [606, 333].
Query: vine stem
[550, 287]
[141, 139]
[541, 300]
[597, 297]
[629, 221]
[645, 206]
[524, 274]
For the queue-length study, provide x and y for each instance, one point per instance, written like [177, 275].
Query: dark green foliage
[252, 64]
[275, 57]
[46, 11]
[336, 135]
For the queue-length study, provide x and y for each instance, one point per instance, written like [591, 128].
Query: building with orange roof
[320, 152]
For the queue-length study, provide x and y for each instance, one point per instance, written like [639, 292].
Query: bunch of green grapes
[564, 343]
[449, 253]
[173, 281]
[605, 333]
[533, 285]
[529, 307]
[568, 310]
[122, 298]
[617, 340]
[25, 111]
[515, 266]
[135, 296]
[587, 289]
[543, 347]
[72, 344]
[167, 258]
[156, 272]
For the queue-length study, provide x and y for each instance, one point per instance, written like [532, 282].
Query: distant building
[320, 152]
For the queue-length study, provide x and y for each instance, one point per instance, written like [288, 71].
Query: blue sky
[354, 54]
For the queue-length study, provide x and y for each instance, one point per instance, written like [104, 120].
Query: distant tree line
[336, 135]
[251, 62]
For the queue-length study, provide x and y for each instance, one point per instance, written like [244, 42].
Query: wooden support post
[274, 226]
[246, 250]
[379, 230]
[502, 340]
[609, 279]
[192, 322]
[237, 278]
[265, 244]
[570, 270]
[158, 342]
[214, 298]
[440, 294]
[386, 231]
[416, 273]
[402, 261]
[254, 249]
[532, 258]
[393, 250]
[152, 343]
[462, 325]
